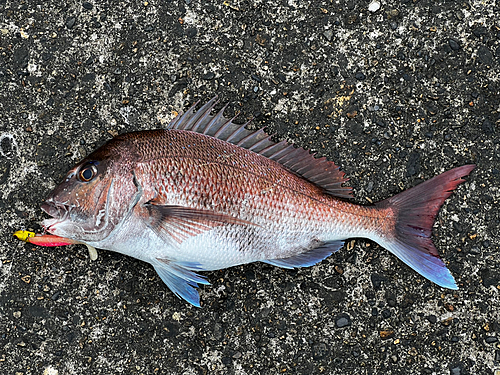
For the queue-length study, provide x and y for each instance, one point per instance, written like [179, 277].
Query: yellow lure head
[24, 235]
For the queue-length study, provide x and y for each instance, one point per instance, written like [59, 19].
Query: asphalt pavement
[395, 92]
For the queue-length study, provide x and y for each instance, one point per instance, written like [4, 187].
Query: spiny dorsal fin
[320, 171]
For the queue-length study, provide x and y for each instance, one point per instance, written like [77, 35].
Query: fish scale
[272, 193]
[206, 194]
[230, 180]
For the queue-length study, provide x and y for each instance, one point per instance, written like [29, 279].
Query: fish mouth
[58, 211]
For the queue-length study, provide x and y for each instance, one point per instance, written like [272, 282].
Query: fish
[206, 193]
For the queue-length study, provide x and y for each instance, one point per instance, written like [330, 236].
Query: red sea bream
[206, 194]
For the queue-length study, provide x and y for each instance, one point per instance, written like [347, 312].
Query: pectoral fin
[181, 279]
[176, 223]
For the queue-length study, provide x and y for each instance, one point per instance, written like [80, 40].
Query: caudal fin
[415, 211]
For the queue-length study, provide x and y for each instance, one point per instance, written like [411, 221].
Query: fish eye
[87, 172]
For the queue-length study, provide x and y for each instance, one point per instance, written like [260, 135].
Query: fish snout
[55, 209]
[51, 209]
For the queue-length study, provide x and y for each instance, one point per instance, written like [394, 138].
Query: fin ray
[180, 280]
[176, 223]
[321, 172]
[308, 258]
[415, 211]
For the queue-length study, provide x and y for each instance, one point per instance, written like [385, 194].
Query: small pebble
[87, 5]
[457, 226]
[17, 314]
[70, 22]
[386, 334]
[343, 321]
[480, 31]
[55, 296]
[485, 55]
[256, 78]
[374, 6]
[454, 44]
[377, 280]
[320, 350]
[475, 251]
[208, 76]
[360, 76]
[432, 319]
[328, 35]
[369, 188]
[413, 166]
[192, 32]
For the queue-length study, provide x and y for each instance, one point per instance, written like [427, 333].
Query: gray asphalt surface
[394, 97]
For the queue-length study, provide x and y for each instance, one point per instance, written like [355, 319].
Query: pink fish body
[207, 194]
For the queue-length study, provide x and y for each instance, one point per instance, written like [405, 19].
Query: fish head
[95, 196]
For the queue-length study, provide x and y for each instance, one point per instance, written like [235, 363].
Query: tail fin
[415, 211]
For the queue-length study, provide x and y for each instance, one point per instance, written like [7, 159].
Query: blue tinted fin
[192, 266]
[414, 212]
[180, 279]
[421, 260]
[309, 258]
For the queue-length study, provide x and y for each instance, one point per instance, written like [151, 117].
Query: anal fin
[308, 258]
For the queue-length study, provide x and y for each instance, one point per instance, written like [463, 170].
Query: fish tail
[413, 215]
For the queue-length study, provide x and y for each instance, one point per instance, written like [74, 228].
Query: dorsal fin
[320, 171]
